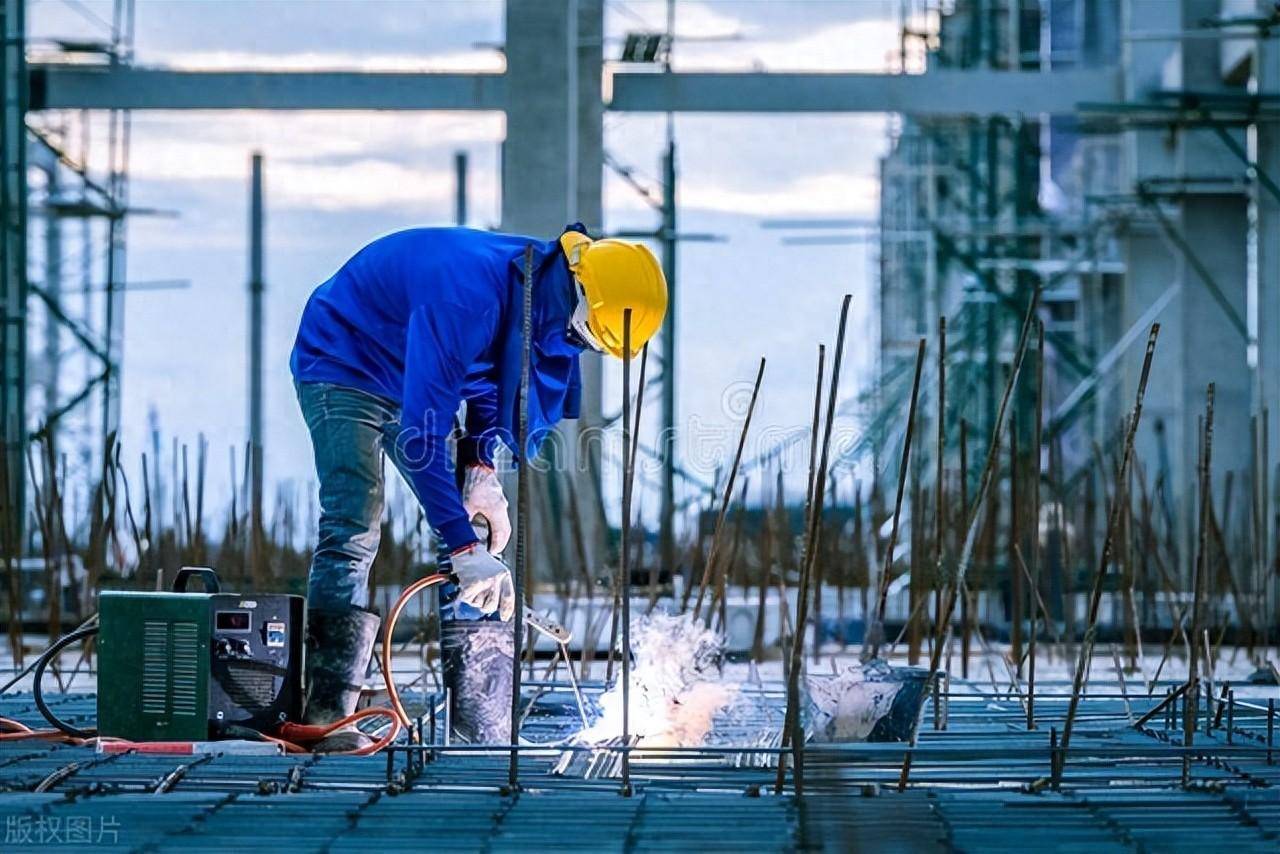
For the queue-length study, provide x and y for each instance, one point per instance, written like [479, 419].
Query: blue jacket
[431, 317]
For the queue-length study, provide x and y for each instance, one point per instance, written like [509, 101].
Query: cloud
[703, 21]
[825, 193]
[693, 20]
[797, 35]
[363, 184]
[310, 155]
[327, 133]
[852, 46]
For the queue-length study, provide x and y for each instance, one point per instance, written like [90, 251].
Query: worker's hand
[484, 581]
[482, 496]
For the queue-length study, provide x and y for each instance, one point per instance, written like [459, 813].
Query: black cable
[49, 655]
[93, 618]
[16, 679]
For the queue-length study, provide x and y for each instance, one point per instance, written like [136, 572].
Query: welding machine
[181, 666]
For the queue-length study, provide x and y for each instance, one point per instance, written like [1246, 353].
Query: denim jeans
[351, 430]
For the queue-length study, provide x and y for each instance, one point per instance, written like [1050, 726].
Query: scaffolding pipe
[256, 289]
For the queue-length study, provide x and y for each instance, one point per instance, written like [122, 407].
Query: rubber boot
[476, 657]
[339, 646]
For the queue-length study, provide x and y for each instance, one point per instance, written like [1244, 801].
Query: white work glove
[484, 581]
[482, 496]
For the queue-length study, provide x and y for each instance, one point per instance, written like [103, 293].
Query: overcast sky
[336, 181]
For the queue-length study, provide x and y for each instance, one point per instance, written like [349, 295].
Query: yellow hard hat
[612, 276]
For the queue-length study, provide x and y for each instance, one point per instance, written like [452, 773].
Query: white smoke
[677, 695]
[673, 696]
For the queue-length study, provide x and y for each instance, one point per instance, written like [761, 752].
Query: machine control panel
[256, 666]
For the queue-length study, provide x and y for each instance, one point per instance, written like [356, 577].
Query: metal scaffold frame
[77, 182]
[13, 268]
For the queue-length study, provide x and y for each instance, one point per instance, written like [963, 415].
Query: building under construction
[1035, 602]
[1146, 201]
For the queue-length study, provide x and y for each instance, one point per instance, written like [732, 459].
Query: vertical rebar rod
[713, 554]
[1095, 597]
[792, 732]
[975, 516]
[1255, 521]
[634, 448]
[966, 631]
[1015, 532]
[667, 440]
[1207, 685]
[810, 561]
[1201, 569]
[939, 512]
[1268, 542]
[875, 631]
[1231, 715]
[522, 514]
[1271, 726]
[813, 462]
[1055, 772]
[989, 468]
[766, 560]
[1036, 448]
[624, 559]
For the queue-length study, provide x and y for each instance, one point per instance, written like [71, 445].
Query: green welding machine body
[179, 666]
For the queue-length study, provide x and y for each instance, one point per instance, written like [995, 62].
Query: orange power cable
[388, 626]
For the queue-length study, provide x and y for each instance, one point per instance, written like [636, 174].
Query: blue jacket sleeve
[442, 339]
[481, 440]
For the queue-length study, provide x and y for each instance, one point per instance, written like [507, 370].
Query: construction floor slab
[981, 784]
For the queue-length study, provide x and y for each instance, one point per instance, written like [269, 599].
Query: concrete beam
[55, 86]
[937, 93]
[67, 87]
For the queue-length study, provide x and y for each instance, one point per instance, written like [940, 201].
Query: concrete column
[554, 115]
[552, 164]
[1151, 270]
[1199, 342]
[1214, 350]
[1211, 347]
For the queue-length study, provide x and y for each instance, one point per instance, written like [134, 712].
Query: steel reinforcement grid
[978, 781]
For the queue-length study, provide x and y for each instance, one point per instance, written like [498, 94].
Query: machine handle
[207, 577]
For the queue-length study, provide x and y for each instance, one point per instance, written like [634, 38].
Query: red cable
[291, 733]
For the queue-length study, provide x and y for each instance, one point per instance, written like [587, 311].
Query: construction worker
[413, 327]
